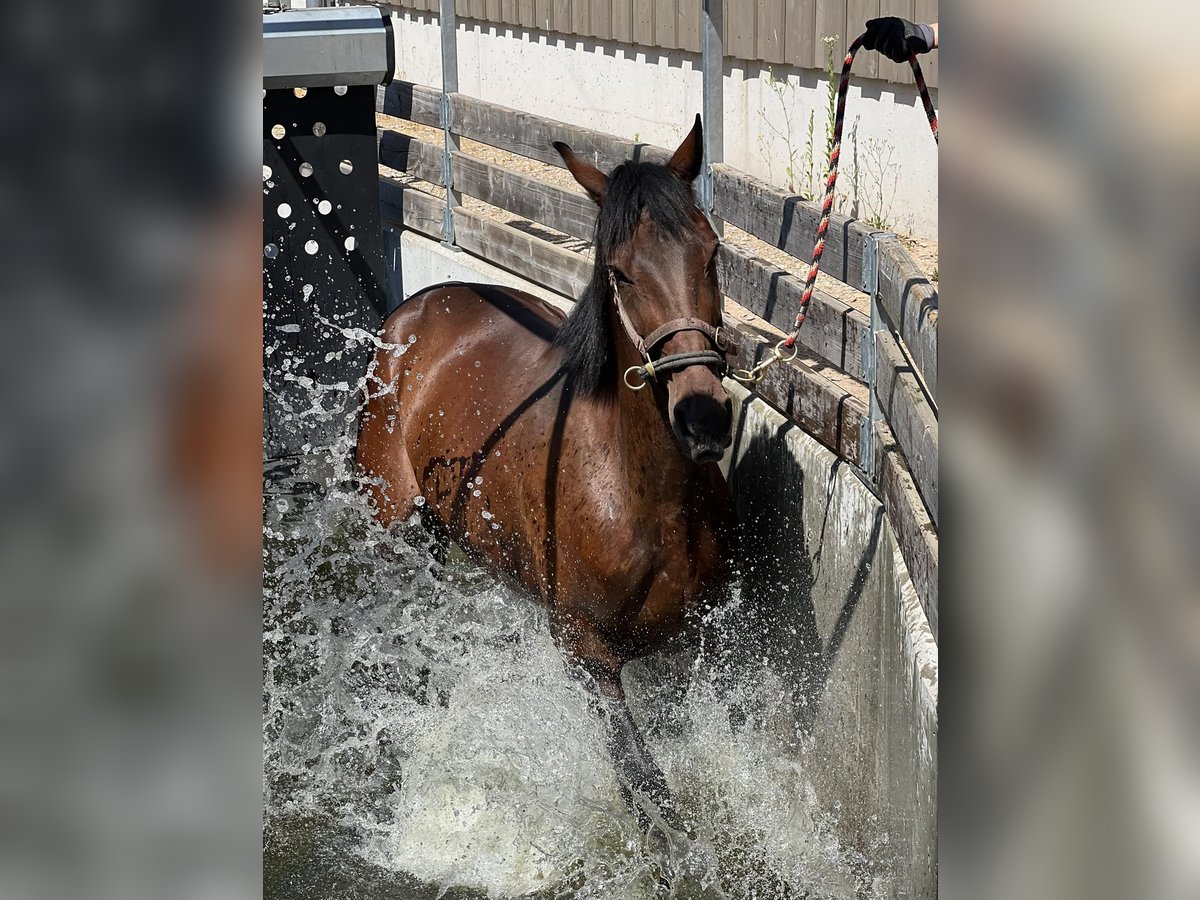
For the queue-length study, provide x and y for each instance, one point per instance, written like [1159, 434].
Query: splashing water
[422, 738]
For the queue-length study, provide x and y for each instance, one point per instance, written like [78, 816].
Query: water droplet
[418, 501]
[477, 364]
[270, 251]
[284, 210]
[281, 504]
[412, 338]
[266, 172]
[340, 90]
[441, 412]
[300, 92]
[487, 515]
[278, 132]
[475, 493]
[306, 169]
[324, 207]
[307, 289]
[345, 167]
[420, 376]
[351, 243]
[479, 479]
[319, 129]
[310, 247]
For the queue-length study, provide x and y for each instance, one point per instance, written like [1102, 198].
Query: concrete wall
[833, 606]
[889, 161]
[837, 609]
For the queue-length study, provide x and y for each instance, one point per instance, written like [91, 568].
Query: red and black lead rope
[831, 178]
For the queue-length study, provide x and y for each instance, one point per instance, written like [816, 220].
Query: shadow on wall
[781, 563]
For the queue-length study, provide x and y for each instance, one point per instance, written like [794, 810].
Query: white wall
[653, 97]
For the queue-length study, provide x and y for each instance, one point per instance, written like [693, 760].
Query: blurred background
[130, 450]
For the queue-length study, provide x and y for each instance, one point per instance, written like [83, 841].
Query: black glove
[896, 38]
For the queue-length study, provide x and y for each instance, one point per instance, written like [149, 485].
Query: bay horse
[529, 439]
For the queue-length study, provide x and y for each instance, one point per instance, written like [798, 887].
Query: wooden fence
[778, 32]
[822, 390]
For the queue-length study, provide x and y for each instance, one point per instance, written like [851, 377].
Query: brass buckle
[755, 375]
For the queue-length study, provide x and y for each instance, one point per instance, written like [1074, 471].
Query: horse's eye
[619, 275]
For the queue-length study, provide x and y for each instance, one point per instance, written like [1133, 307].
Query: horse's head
[658, 254]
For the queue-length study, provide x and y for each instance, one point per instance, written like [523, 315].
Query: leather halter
[674, 361]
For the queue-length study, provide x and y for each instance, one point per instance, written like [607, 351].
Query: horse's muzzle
[703, 425]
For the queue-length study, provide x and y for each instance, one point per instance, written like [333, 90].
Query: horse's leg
[590, 657]
[390, 481]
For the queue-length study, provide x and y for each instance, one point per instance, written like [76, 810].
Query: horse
[576, 455]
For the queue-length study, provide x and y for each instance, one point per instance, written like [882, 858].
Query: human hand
[896, 38]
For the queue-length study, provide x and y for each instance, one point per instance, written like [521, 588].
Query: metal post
[713, 111]
[448, 25]
[870, 285]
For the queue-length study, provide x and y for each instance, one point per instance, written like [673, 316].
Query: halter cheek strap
[643, 374]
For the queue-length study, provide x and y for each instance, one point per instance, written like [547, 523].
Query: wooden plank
[664, 24]
[528, 135]
[601, 20]
[526, 14]
[858, 13]
[493, 12]
[405, 205]
[508, 12]
[798, 32]
[687, 26]
[570, 212]
[770, 28]
[911, 303]
[823, 408]
[915, 532]
[581, 17]
[622, 21]
[833, 330]
[739, 29]
[789, 222]
[541, 12]
[560, 16]
[400, 151]
[643, 22]
[523, 254]
[829, 19]
[927, 14]
[415, 102]
[911, 418]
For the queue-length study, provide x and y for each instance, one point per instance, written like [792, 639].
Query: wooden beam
[910, 416]
[826, 409]
[789, 222]
[833, 330]
[911, 303]
[408, 154]
[415, 102]
[571, 212]
[405, 205]
[552, 267]
[916, 534]
[533, 136]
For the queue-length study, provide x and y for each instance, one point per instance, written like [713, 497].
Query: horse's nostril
[703, 416]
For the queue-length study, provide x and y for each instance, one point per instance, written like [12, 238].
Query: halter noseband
[651, 368]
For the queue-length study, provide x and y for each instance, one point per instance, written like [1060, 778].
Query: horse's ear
[688, 158]
[592, 179]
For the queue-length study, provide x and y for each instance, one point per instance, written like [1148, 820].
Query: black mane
[584, 336]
